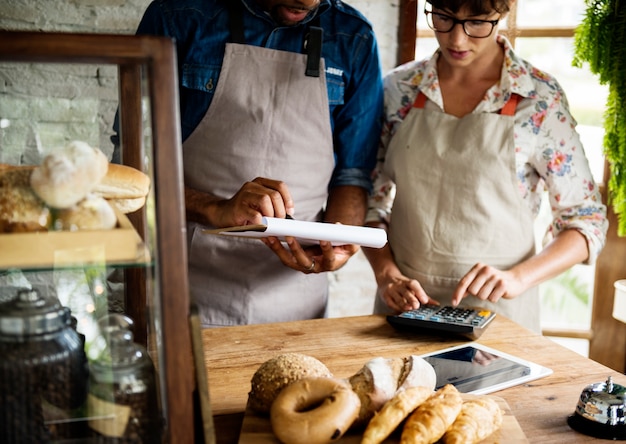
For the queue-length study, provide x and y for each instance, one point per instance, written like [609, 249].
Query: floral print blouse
[548, 151]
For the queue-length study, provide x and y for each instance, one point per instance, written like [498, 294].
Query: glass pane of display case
[83, 286]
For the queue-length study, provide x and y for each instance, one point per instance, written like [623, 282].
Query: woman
[472, 137]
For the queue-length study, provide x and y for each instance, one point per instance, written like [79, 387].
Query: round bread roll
[124, 187]
[380, 378]
[128, 205]
[67, 175]
[21, 210]
[91, 213]
[123, 182]
[314, 411]
[275, 374]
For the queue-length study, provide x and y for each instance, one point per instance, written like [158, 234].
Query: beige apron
[457, 203]
[266, 119]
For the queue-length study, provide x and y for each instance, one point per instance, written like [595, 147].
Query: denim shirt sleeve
[357, 121]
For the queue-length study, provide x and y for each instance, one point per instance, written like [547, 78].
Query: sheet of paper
[309, 233]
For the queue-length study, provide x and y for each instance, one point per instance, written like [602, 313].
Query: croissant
[393, 413]
[428, 423]
[478, 419]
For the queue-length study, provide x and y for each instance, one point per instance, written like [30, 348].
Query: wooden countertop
[233, 354]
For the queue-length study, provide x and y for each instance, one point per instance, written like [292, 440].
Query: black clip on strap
[235, 22]
[314, 51]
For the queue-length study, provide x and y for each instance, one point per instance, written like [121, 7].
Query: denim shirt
[200, 29]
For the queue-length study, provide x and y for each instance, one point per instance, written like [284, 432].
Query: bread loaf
[21, 210]
[276, 373]
[124, 187]
[128, 205]
[380, 378]
[91, 213]
[68, 175]
[123, 182]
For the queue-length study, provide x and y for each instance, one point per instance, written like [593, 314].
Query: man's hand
[346, 205]
[316, 259]
[255, 199]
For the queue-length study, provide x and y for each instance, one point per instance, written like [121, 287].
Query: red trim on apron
[507, 110]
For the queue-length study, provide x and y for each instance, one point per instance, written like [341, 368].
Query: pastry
[478, 419]
[428, 423]
[393, 413]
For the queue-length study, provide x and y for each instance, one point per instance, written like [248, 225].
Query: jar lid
[121, 350]
[32, 314]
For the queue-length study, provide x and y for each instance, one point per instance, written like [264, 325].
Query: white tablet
[475, 368]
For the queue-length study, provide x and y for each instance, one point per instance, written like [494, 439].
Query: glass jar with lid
[43, 370]
[122, 400]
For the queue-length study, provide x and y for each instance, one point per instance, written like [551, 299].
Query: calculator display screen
[471, 369]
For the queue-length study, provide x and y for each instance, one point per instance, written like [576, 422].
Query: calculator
[463, 321]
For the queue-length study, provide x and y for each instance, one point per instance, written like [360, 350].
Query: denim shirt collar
[255, 9]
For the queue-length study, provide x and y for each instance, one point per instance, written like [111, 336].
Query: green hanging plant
[600, 40]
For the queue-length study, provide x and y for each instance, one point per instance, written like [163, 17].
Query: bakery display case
[95, 324]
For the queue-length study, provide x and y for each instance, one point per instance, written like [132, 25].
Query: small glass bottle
[122, 402]
[43, 371]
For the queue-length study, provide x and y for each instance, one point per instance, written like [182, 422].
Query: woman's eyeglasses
[473, 28]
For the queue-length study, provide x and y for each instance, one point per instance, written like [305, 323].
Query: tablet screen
[478, 369]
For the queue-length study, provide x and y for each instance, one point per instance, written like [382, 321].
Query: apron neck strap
[235, 22]
[313, 47]
[508, 109]
[511, 105]
[420, 100]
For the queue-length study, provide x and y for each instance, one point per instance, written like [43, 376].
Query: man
[280, 105]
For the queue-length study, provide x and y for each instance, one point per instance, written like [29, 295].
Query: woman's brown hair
[474, 7]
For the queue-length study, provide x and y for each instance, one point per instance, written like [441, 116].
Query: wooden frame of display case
[157, 56]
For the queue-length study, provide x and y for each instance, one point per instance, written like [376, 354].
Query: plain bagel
[314, 411]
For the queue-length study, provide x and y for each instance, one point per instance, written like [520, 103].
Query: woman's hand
[488, 284]
[401, 293]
